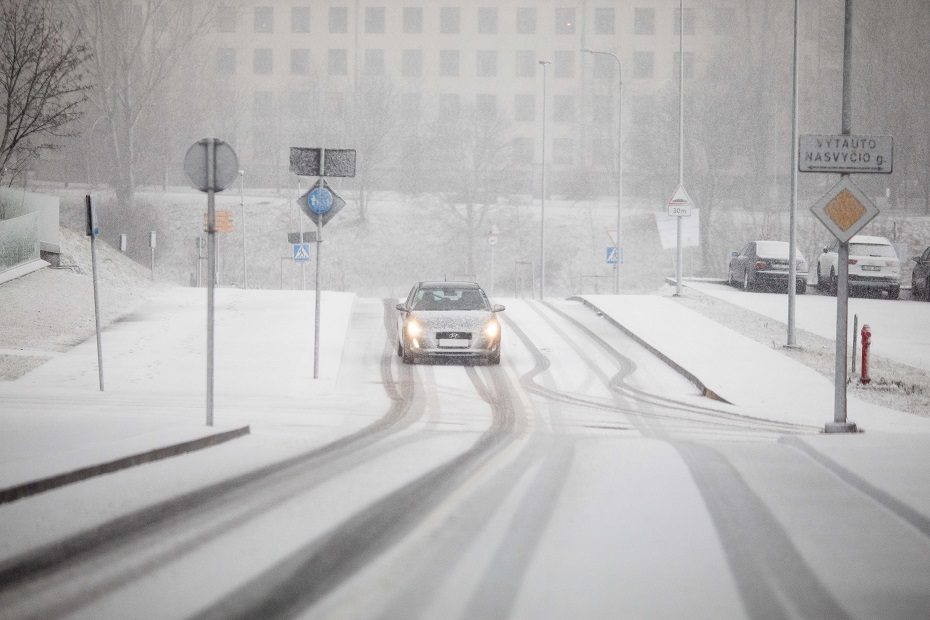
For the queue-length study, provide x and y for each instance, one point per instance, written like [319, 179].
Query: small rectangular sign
[845, 154]
[305, 161]
[300, 252]
[308, 237]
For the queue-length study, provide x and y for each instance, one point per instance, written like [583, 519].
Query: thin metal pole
[542, 211]
[840, 424]
[681, 140]
[93, 262]
[211, 268]
[854, 342]
[619, 170]
[792, 218]
[245, 265]
[300, 231]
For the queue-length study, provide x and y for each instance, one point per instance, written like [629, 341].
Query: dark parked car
[448, 320]
[764, 264]
[920, 276]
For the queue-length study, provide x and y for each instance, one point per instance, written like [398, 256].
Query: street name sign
[845, 154]
[308, 237]
[680, 203]
[319, 162]
[844, 210]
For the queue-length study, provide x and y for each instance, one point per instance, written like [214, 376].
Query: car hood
[453, 320]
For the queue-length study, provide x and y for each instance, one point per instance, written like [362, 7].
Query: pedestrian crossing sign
[614, 255]
[300, 252]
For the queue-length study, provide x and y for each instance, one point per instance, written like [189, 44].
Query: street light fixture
[619, 158]
[542, 211]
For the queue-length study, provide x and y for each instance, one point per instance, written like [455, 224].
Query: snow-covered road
[583, 477]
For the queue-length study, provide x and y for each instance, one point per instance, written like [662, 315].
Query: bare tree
[136, 47]
[42, 84]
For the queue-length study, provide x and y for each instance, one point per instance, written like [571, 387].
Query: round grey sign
[225, 164]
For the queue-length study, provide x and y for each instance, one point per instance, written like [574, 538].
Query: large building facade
[287, 61]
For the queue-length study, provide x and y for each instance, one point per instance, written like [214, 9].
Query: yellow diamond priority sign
[845, 209]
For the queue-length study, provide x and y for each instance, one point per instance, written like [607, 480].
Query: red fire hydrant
[866, 336]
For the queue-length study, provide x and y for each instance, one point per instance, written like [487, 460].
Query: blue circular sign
[320, 200]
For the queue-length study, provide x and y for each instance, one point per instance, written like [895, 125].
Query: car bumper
[778, 277]
[884, 282]
[430, 347]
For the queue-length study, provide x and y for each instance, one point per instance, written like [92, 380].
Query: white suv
[873, 265]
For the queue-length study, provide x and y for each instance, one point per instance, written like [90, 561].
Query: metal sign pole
[316, 303]
[93, 231]
[211, 268]
[792, 216]
[681, 140]
[840, 424]
[300, 231]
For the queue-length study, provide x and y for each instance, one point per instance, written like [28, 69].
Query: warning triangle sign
[680, 202]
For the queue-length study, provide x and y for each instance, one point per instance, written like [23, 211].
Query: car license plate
[454, 344]
[871, 268]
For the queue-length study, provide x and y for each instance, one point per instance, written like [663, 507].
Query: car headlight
[413, 328]
[492, 330]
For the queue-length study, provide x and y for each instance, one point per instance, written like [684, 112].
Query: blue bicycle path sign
[320, 200]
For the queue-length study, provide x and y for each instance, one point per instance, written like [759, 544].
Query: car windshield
[871, 249]
[450, 298]
[776, 249]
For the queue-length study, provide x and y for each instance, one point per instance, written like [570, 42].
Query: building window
[643, 64]
[374, 20]
[563, 109]
[450, 19]
[226, 61]
[600, 109]
[298, 103]
[264, 19]
[565, 21]
[523, 150]
[225, 19]
[413, 19]
[688, 26]
[487, 63]
[300, 19]
[374, 62]
[604, 21]
[300, 61]
[487, 21]
[644, 21]
[410, 105]
[526, 63]
[338, 20]
[524, 108]
[262, 61]
[262, 103]
[563, 150]
[526, 21]
[412, 63]
[449, 106]
[563, 64]
[448, 63]
[724, 20]
[338, 62]
[689, 65]
[604, 66]
[486, 106]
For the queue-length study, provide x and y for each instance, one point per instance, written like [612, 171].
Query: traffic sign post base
[841, 427]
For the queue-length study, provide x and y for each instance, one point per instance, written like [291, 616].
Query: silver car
[448, 320]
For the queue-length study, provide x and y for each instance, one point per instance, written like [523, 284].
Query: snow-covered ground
[54, 419]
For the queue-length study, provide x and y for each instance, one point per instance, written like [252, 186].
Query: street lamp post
[619, 159]
[542, 211]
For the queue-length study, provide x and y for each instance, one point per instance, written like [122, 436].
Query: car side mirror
[497, 308]
[734, 253]
[402, 307]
